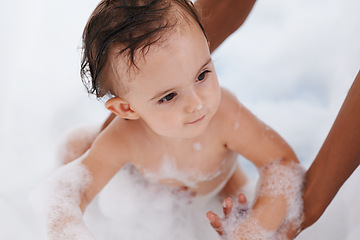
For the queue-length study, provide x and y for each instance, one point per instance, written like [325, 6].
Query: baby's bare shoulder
[107, 155]
[229, 107]
[116, 139]
[228, 112]
[228, 99]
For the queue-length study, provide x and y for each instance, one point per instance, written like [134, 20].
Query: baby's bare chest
[200, 166]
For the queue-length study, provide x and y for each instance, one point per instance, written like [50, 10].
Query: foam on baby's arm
[277, 182]
[286, 180]
[57, 202]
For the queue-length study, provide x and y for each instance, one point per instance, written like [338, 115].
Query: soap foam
[131, 207]
[286, 180]
[239, 225]
[275, 179]
[56, 201]
[197, 146]
[170, 170]
[76, 141]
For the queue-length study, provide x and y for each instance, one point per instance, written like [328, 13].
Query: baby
[152, 59]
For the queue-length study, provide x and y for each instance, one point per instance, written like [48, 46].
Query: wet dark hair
[131, 25]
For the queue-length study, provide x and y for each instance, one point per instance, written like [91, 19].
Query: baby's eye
[168, 97]
[202, 76]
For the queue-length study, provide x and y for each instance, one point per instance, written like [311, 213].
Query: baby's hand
[217, 223]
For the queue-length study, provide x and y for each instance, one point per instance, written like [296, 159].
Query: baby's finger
[215, 222]
[243, 208]
[227, 206]
[242, 198]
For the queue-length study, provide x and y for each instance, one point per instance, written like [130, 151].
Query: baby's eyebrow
[206, 63]
[161, 94]
[170, 90]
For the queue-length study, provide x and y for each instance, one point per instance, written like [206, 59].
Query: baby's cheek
[168, 126]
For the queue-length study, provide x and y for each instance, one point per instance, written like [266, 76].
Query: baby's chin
[186, 130]
[184, 133]
[195, 132]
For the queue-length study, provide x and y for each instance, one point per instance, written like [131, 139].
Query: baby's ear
[121, 108]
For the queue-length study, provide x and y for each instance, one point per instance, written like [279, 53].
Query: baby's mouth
[197, 120]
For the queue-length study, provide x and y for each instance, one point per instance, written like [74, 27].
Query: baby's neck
[167, 142]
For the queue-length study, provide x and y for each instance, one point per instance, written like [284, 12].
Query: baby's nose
[194, 102]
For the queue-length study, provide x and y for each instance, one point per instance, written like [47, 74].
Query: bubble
[287, 180]
[197, 146]
[131, 207]
[276, 179]
[76, 142]
[236, 125]
[56, 201]
[199, 107]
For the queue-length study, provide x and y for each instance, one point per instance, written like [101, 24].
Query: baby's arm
[63, 198]
[57, 201]
[254, 140]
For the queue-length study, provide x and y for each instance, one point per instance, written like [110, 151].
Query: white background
[291, 63]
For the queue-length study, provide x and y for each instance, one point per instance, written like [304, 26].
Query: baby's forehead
[130, 29]
[126, 66]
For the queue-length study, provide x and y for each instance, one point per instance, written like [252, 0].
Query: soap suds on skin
[286, 180]
[131, 206]
[236, 125]
[197, 146]
[56, 201]
[75, 142]
[170, 170]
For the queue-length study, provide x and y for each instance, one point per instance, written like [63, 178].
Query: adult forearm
[337, 159]
[222, 17]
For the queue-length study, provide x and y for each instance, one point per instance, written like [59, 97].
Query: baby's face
[176, 90]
